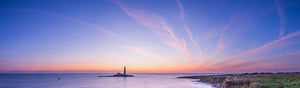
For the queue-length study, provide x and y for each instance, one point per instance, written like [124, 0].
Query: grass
[252, 80]
[279, 81]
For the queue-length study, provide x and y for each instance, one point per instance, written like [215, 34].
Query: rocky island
[119, 74]
[252, 80]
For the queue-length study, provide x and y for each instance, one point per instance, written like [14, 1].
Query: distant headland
[119, 74]
[251, 80]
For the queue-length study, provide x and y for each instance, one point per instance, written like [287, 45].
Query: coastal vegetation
[252, 80]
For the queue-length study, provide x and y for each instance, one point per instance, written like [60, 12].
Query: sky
[155, 36]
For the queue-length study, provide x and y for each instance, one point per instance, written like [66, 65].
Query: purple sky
[150, 35]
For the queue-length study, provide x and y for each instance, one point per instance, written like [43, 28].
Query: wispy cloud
[267, 63]
[259, 64]
[182, 16]
[221, 42]
[212, 33]
[187, 52]
[2, 61]
[143, 51]
[262, 48]
[281, 16]
[292, 53]
[239, 23]
[158, 26]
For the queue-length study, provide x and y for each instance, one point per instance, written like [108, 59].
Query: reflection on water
[124, 82]
[92, 81]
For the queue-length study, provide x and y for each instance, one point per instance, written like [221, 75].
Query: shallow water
[90, 80]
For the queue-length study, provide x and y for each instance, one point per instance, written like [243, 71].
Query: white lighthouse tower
[124, 71]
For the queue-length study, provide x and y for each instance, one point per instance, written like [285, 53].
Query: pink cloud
[238, 24]
[282, 62]
[143, 51]
[234, 29]
[275, 63]
[221, 42]
[292, 53]
[158, 26]
[265, 47]
[188, 53]
[281, 16]
[182, 15]
[212, 33]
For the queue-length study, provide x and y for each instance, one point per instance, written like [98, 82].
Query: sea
[91, 80]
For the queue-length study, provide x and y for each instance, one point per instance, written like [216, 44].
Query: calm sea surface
[90, 80]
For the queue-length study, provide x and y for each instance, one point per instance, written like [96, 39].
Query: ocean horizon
[91, 80]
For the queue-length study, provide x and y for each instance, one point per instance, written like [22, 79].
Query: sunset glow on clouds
[150, 36]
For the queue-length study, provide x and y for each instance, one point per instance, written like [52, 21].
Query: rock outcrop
[118, 75]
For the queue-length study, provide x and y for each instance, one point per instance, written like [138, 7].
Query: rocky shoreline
[251, 80]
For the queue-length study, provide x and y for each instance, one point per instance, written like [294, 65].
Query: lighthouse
[124, 71]
[119, 74]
